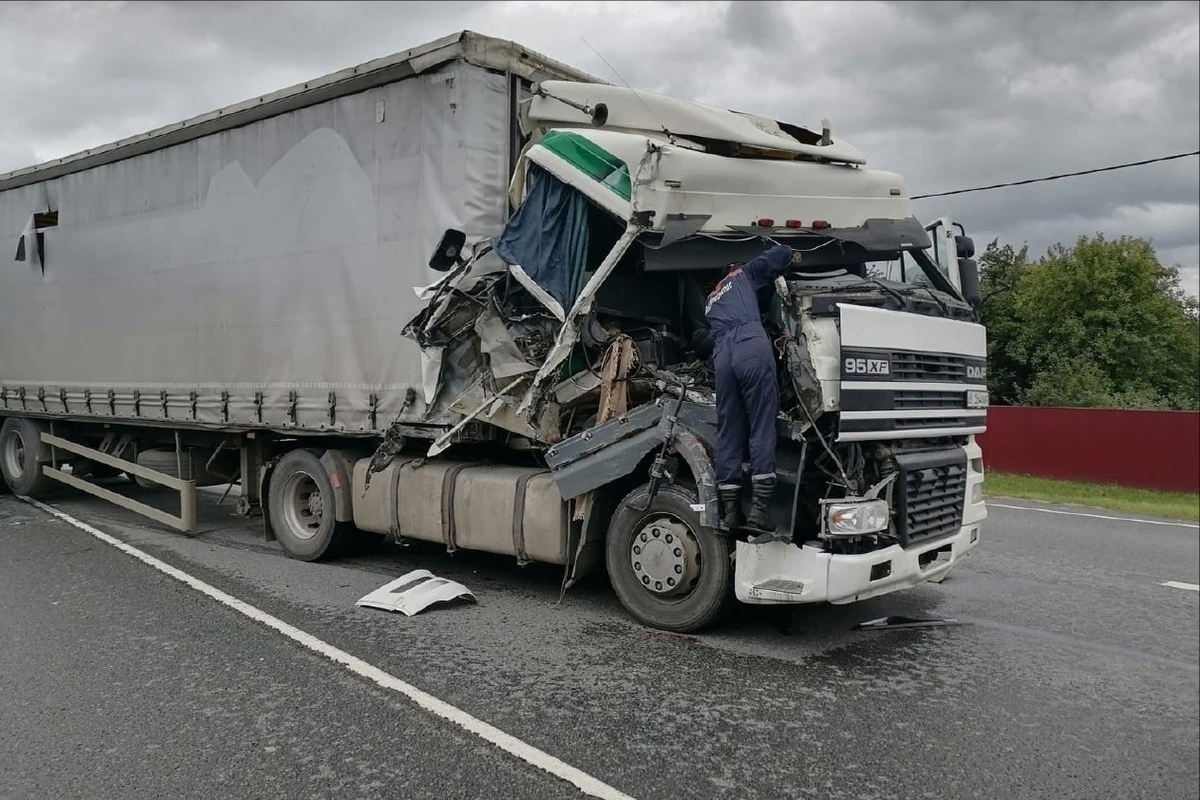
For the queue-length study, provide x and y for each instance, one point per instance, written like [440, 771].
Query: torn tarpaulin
[414, 592]
[548, 237]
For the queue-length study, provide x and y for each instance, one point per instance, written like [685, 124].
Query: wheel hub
[316, 506]
[303, 506]
[665, 557]
[14, 455]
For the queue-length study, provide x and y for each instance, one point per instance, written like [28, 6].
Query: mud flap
[339, 464]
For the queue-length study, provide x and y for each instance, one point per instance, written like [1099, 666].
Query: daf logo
[867, 366]
[977, 373]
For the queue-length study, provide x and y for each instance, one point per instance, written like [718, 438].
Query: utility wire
[628, 86]
[1059, 177]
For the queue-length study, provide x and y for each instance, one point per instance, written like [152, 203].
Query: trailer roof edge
[474, 48]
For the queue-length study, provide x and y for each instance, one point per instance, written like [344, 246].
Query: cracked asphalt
[1073, 673]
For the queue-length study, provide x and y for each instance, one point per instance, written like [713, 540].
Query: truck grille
[908, 394]
[929, 501]
[925, 423]
[907, 399]
[928, 367]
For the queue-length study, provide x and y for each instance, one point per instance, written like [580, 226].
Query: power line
[1059, 177]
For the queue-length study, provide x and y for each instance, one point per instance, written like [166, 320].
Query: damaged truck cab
[559, 372]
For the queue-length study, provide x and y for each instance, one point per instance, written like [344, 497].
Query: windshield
[888, 254]
[902, 270]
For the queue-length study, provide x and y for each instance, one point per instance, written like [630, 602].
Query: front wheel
[667, 570]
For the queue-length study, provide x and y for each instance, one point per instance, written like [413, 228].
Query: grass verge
[1176, 505]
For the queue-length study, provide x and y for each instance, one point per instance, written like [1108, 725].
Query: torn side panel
[608, 451]
[479, 336]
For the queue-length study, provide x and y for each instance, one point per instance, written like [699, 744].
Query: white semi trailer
[247, 297]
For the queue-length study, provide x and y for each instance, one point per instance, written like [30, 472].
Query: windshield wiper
[945, 308]
[875, 281]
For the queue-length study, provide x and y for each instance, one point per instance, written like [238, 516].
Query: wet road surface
[1074, 673]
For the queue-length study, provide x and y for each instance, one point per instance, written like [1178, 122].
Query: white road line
[1098, 516]
[1191, 587]
[526, 752]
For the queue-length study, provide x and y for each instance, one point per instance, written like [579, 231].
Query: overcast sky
[949, 94]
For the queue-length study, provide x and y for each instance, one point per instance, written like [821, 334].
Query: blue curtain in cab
[548, 237]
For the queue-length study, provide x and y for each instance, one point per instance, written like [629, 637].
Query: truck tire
[301, 505]
[667, 570]
[21, 455]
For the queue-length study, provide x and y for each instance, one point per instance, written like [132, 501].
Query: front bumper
[784, 573]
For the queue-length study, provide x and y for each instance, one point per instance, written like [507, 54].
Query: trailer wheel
[301, 506]
[21, 454]
[667, 570]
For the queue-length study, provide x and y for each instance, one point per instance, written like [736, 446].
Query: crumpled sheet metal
[415, 591]
[569, 333]
[498, 345]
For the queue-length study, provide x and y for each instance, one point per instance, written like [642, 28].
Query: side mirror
[448, 252]
[968, 276]
[965, 246]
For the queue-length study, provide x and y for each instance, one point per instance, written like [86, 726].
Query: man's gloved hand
[702, 343]
[782, 253]
[772, 263]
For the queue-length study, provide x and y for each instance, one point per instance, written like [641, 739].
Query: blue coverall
[747, 388]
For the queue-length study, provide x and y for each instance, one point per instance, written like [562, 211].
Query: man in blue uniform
[747, 390]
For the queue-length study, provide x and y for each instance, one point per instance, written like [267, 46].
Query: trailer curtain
[548, 237]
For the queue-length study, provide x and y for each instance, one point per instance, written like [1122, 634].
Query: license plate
[977, 399]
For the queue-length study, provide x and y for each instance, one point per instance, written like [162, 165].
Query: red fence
[1146, 449]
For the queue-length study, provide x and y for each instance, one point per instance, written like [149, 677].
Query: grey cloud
[125, 68]
[757, 23]
[949, 95]
[986, 93]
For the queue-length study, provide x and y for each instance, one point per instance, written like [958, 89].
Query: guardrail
[1141, 449]
[185, 522]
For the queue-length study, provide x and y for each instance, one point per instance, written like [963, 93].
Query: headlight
[852, 519]
[977, 493]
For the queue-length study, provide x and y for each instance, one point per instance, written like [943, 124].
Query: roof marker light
[766, 222]
[794, 223]
[820, 224]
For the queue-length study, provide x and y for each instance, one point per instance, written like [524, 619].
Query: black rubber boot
[762, 490]
[731, 506]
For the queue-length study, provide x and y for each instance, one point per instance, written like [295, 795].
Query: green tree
[1102, 323]
[1000, 269]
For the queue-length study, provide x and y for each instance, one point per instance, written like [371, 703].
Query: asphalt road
[1074, 673]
